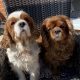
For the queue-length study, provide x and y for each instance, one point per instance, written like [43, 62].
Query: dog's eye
[12, 23]
[25, 18]
[62, 27]
[49, 29]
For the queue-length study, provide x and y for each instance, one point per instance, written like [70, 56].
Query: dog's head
[18, 27]
[57, 28]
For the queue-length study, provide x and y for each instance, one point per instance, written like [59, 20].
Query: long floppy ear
[44, 35]
[69, 23]
[34, 30]
[6, 40]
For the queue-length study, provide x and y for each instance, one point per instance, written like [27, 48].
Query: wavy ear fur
[69, 23]
[6, 40]
[35, 32]
[44, 34]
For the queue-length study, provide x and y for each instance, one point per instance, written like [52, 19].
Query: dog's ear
[6, 40]
[35, 32]
[44, 34]
[69, 23]
[34, 29]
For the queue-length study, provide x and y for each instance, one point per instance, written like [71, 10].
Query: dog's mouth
[57, 38]
[23, 36]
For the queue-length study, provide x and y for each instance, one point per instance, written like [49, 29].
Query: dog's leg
[34, 73]
[19, 72]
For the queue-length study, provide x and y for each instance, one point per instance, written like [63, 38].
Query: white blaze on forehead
[15, 14]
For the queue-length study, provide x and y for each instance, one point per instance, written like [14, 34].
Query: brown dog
[58, 40]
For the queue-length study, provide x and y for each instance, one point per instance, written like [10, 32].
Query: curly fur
[57, 52]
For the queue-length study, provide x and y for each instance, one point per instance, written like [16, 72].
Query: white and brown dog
[22, 50]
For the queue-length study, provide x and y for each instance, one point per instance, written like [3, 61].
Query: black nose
[22, 24]
[58, 31]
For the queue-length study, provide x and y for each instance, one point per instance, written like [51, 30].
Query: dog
[19, 39]
[57, 40]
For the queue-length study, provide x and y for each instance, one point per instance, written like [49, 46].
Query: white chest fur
[24, 60]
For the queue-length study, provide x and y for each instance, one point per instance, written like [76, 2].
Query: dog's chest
[60, 53]
[23, 61]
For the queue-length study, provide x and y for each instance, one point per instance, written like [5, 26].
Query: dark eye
[49, 29]
[12, 23]
[25, 18]
[62, 27]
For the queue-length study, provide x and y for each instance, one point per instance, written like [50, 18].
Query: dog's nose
[22, 24]
[58, 31]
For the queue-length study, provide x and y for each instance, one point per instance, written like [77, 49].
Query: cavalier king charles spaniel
[58, 40]
[19, 39]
